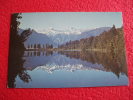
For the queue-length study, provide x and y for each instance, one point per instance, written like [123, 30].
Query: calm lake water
[68, 69]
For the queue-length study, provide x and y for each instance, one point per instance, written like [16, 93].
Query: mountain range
[58, 37]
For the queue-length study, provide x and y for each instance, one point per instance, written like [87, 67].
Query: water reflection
[110, 62]
[16, 68]
[49, 62]
[115, 63]
[37, 53]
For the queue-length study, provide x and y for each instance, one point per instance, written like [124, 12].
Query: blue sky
[65, 20]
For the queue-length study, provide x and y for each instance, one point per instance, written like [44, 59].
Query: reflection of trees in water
[115, 63]
[48, 53]
[38, 53]
[16, 69]
[43, 53]
[16, 62]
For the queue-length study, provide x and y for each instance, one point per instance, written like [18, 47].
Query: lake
[62, 69]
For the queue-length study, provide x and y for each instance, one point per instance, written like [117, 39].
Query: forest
[108, 41]
[39, 47]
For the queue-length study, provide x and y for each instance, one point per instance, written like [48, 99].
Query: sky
[66, 20]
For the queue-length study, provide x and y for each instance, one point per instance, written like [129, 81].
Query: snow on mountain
[61, 37]
[36, 38]
[51, 31]
[58, 37]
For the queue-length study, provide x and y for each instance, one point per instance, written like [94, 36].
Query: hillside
[61, 37]
[37, 38]
[56, 37]
[111, 40]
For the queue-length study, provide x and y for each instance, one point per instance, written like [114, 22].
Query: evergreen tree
[39, 46]
[35, 46]
[28, 46]
[16, 52]
[31, 45]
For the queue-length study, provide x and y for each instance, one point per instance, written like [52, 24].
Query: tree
[28, 46]
[16, 52]
[35, 46]
[31, 46]
[39, 46]
[16, 40]
[113, 30]
[46, 46]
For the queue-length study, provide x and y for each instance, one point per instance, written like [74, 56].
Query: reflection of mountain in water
[57, 61]
[75, 60]
[51, 68]
[115, 63]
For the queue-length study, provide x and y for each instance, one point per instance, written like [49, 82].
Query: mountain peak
[58, 37]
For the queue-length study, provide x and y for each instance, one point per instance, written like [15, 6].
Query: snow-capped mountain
[61, 37]
[51, 31]
[37, 38]
[58, 37]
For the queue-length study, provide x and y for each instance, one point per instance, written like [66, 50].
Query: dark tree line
[39, 46]
[16, 51]
[111, 40]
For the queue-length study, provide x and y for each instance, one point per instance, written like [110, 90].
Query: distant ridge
[61, 37]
